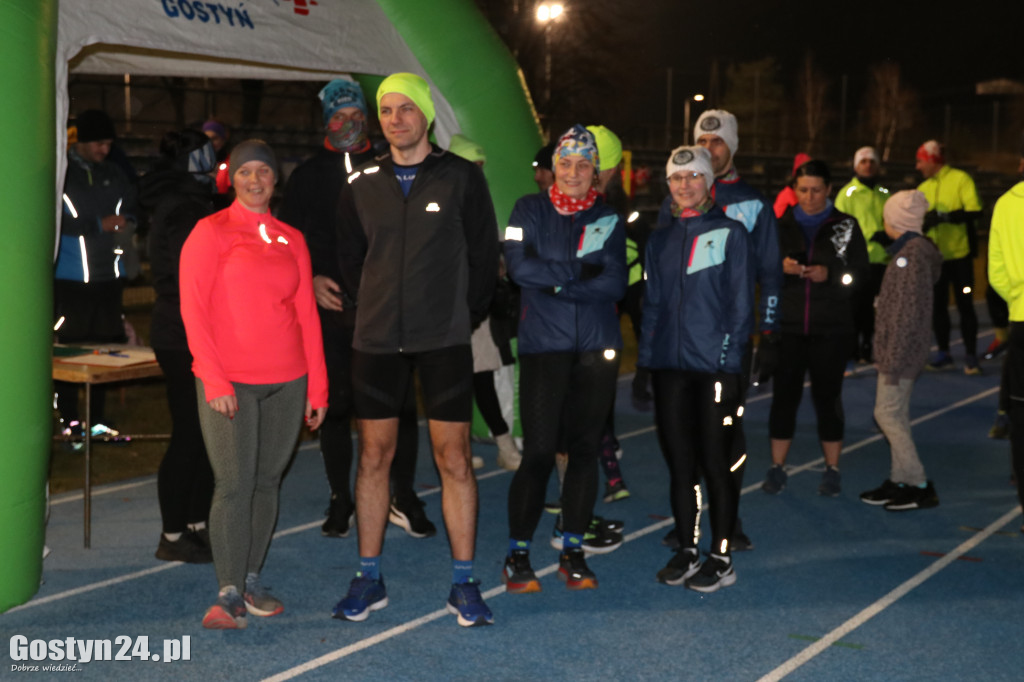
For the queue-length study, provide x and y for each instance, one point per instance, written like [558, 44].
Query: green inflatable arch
[476, 74]
[28, 133]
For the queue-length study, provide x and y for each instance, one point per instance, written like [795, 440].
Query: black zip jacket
[422, 268]
[822, 308]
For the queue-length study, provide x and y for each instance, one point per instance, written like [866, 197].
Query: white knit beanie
[718, 122]
[695, 159]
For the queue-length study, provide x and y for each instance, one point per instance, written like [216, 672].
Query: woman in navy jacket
[697, 319]
[566, 249]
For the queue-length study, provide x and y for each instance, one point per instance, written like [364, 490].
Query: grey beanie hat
[251, 150]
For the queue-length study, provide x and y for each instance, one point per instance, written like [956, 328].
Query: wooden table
[66, 369]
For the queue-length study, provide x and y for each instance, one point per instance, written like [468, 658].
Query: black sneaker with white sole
[910, 497]
[607, 525]
[880, 495]
[684, 564]
[409, 515]
[597, 540]
[715, 572]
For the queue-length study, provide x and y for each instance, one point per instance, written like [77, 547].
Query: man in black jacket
[310, 205]
[418, 250]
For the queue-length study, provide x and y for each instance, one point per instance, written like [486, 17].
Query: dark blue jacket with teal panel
[698, 299]
[572, 270]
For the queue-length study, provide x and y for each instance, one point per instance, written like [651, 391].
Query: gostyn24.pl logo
[69, 653]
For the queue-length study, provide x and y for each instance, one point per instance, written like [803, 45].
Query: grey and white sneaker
[258, 600]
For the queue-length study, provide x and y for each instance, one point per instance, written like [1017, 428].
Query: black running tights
[694, 429]
[572, 393]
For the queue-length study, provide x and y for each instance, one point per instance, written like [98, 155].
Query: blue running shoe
[364, 595]
[466, 603]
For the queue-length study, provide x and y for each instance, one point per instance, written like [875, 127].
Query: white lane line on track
[379, 638]
[490, 474]
[95, 586]
[174, 564]
[888, 600]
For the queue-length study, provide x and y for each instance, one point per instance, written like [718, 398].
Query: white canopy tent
[260, 39]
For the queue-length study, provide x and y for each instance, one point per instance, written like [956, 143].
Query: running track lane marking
[825, 642]
[888, 600]
[174, 564]
[490, 474]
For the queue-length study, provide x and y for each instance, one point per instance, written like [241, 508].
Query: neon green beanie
[413, 87]
[609, 146]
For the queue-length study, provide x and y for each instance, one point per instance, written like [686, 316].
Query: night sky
[941, 46]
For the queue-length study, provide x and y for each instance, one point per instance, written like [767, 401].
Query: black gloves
[957, 216]
[766, 360]
[933, 218]
[590, 270]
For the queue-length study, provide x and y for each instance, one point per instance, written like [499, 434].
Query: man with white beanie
[901, 348]
[716, 130]
[863, 197]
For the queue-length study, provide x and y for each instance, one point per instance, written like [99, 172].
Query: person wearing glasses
[697, 318]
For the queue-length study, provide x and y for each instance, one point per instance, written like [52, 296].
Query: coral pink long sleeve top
[248, 305]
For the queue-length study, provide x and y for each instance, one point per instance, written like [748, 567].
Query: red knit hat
[932, 151]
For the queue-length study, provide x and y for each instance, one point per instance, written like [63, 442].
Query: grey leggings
[248, 455]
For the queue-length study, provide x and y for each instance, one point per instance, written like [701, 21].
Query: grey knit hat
[251, 150]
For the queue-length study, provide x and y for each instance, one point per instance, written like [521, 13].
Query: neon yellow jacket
[949, 190]
[865, 204]
[1006, 250]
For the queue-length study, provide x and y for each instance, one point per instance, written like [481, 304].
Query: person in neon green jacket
[864, 198]
[1006, 276]
[953, 206]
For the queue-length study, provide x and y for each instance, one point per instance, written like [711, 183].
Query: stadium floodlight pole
[686, 116]
[547, 14]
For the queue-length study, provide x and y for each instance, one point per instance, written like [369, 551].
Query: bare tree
[812, 87]
[753, 93]
[890, 106]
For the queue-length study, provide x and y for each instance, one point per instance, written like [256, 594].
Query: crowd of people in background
[384, 265]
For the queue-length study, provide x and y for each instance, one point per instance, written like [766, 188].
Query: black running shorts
[380, 380]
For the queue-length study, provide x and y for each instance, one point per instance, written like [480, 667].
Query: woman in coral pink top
[250, 316]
